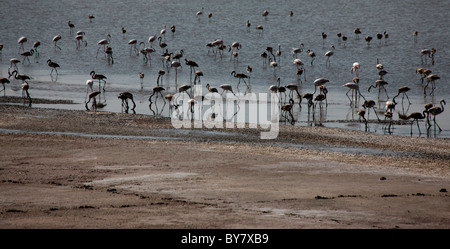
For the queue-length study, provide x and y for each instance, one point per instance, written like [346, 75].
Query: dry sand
[57, 172]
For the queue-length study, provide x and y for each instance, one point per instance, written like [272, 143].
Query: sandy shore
[78, 169]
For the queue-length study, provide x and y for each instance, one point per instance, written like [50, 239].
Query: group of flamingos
[173, 60]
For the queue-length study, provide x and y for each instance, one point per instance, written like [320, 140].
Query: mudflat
[80, 169]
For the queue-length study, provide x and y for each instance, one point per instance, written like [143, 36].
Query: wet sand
[80, 169]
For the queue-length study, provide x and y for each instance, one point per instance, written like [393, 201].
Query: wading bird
[415, 116]
[328, 54]
[99, 77]
[158, 91]
[402, 90]
[124, 96]
[354, 87]
[103, 43]
[26, 94]
[53, 65]
[370, 104]
[36, 44]
[380, 84]
[79, 38]
[92, 96]
[26, 55]
[22, 77]
[55, 39]
[192, 64]
[21, 41]
[436, 110]
[318, 82]
[240, 76]
[430, 79]
[4, 81]
[312, 55]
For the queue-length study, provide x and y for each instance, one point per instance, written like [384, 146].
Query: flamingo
[319, 82]
[21, 41]
[381, 73]
[240, 76]
[55, 39]
[357, 32]
[13, 62]
[294, 88]
[309, 97]
[124, 96]
[430, 79]
[298, 50]
[22, 77]
[91, 17]
[379, 37]
[378, 65]
[4, 81]
[198, 74]
[260, 28]
[354, 87]
[99, 77]
[402, 90]
[146, 52]
[80, 38]
[89, 88]
[179, 55]
[226, 88]
[157, 90]
[151, 39]
[184, 89]
[423, 72]
[288, 108]
[26, 55]
[436, 111]
[300, 68]
[312, 55]
[92, 96]
[424, 53]
[415, 116]
[248, 25]
[370, 104]
[328, 54]
[163, 32]
[199, 13]
[192, 64]
[25, 93]
[53, 65]
[324, 37]
[361, 114]
[160, 74]
[161, 44]
[71, 26]
[133, 43]
[103, 43]
[368, 39]
[35, 47]
[273, 64]
[211, 89]
[176, 65]
[108, 52]
[380, 84]
[355, 68]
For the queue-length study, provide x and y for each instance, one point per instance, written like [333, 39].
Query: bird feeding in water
[125, 96]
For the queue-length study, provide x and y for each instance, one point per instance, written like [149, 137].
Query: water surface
[42, 20]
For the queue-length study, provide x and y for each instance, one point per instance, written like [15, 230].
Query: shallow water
[399, 54]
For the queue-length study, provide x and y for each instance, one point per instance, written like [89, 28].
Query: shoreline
[142, 173]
